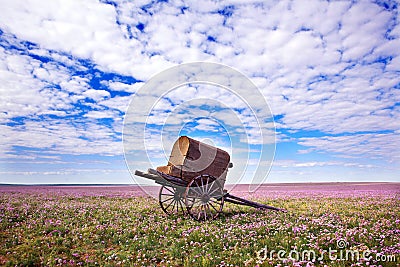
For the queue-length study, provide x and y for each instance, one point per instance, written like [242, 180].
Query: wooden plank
[205, 159]
[148, 175]
[190, 158]
[169, 179]
[164, 169]
[179, 151]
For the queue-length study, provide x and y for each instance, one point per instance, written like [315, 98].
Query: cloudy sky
[329, 71]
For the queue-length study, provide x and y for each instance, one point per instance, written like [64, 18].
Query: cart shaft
[244, 202]
[161, 178]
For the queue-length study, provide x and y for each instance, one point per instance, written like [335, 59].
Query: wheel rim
[204, 198]
[171, 200]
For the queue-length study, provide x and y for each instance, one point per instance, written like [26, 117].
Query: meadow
[86, 227]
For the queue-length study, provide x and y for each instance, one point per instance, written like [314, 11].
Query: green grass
[54, 230]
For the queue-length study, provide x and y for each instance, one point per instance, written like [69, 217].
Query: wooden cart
[193, 181]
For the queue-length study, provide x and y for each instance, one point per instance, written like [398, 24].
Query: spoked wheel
[204, 198]
[171, 200]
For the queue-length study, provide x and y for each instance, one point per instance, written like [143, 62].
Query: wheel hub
[177, 197]
[205, 198]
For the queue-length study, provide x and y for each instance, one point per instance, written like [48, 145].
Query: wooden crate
[190, 158]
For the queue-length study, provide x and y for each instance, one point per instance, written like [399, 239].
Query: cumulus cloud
[372, 145]
[61, 137]
[305, 164]
[96, 95]
[328, 69]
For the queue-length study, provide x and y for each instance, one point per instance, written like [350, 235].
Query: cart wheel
[171, 200]
[204, 198]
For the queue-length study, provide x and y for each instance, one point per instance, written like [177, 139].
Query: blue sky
[329, 70]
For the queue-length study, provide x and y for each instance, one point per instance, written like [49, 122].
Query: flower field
[44, 227]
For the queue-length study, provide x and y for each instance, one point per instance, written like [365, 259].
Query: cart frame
[202, 198]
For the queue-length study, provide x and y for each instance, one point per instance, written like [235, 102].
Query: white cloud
[60, 137]
[123, 87]
[118, 103]
[96, 114]
[23, 87]
[207, 125]
[305, 164]
[96, 95]
[326, 66]
[372, 146]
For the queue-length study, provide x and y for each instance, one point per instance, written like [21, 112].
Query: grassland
[45, 228]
